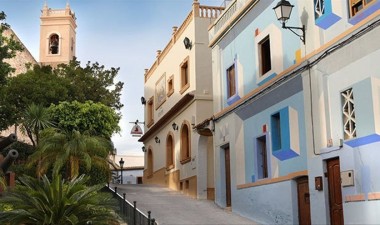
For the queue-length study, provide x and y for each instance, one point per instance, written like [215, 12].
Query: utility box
[347, 178]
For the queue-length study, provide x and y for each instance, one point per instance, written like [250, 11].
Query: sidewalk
[169, 207]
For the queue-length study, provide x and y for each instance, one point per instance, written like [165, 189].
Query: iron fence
[129, 212]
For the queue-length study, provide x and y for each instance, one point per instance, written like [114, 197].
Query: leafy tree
[44, 85]
[59, 202]
[95, 118]
[72, 149]
[38, 86]
[92, 82]
[35, 119]
[9, 46]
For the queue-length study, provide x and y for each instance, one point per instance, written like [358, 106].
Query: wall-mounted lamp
[175, 126]
[143, 101]
[283, 9]
[157, 140]
[143, 148]
[187, 43]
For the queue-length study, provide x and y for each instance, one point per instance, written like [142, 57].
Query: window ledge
[169, 167]
[184, 88]
[150, 123]
[170, 92]
[184, 161]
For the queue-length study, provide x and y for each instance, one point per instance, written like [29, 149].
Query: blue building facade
[296, 125]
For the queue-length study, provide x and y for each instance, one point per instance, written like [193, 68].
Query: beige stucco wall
[167, 65]
[63, 23]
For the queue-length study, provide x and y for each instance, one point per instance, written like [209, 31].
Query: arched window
[170, 152]
[185, 143]
[54, 44]
[150, 162]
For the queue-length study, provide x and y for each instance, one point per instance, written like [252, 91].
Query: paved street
[172, 208]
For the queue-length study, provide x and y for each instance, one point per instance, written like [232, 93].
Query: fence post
[149, 217]
[153, 222]
[134, 212]
[123, 207]
[115, 191]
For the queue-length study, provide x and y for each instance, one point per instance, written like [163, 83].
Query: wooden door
[228, 176]
[303, 201]
[335, 192]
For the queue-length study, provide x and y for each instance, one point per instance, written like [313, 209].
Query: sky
[114, 33]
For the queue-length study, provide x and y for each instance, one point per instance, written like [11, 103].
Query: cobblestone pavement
[170, 207]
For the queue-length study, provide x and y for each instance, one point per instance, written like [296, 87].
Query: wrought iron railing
[129, 212]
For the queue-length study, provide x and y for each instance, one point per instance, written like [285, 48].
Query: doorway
[335, 191]
[303, 201]
[227, 175]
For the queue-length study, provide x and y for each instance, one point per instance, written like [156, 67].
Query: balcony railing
[228, 13]
[128, 211]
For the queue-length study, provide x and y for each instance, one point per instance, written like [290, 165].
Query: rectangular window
[231, 81]
[185, 82]
[348, 109]
[170, 85]
[358, 5]
[276, 131]
[265, 56]
[150, 112]
[262, 157]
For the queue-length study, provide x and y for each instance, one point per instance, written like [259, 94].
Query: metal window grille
[348, 109]
[319, 8]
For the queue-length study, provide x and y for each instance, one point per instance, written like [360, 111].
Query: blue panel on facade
[285, 154]
[363, 140]
[327, 20]
[364, 13]
[281, 143]
[268, 78]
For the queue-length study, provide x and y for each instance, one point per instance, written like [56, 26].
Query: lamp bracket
[301, 36]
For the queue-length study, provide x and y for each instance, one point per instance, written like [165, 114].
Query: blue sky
[115, 33]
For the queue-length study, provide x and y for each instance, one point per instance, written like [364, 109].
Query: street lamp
[283, 9]
[121, 163]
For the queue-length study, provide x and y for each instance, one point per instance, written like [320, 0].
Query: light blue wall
[253, 129]
[240, 43]
[268, 204]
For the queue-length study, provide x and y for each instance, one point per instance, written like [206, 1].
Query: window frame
[265, 58]
[58, 44]
[266, 159]
[170, 151]
[231, 82]
[277, 66]
[170, 84]
[364, 3]
[185, 75]
[185, 143]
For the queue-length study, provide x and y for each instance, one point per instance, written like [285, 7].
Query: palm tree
[58, 148]
[60, 202]
[35, 119]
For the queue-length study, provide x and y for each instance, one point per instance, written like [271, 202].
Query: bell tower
[57, 35]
